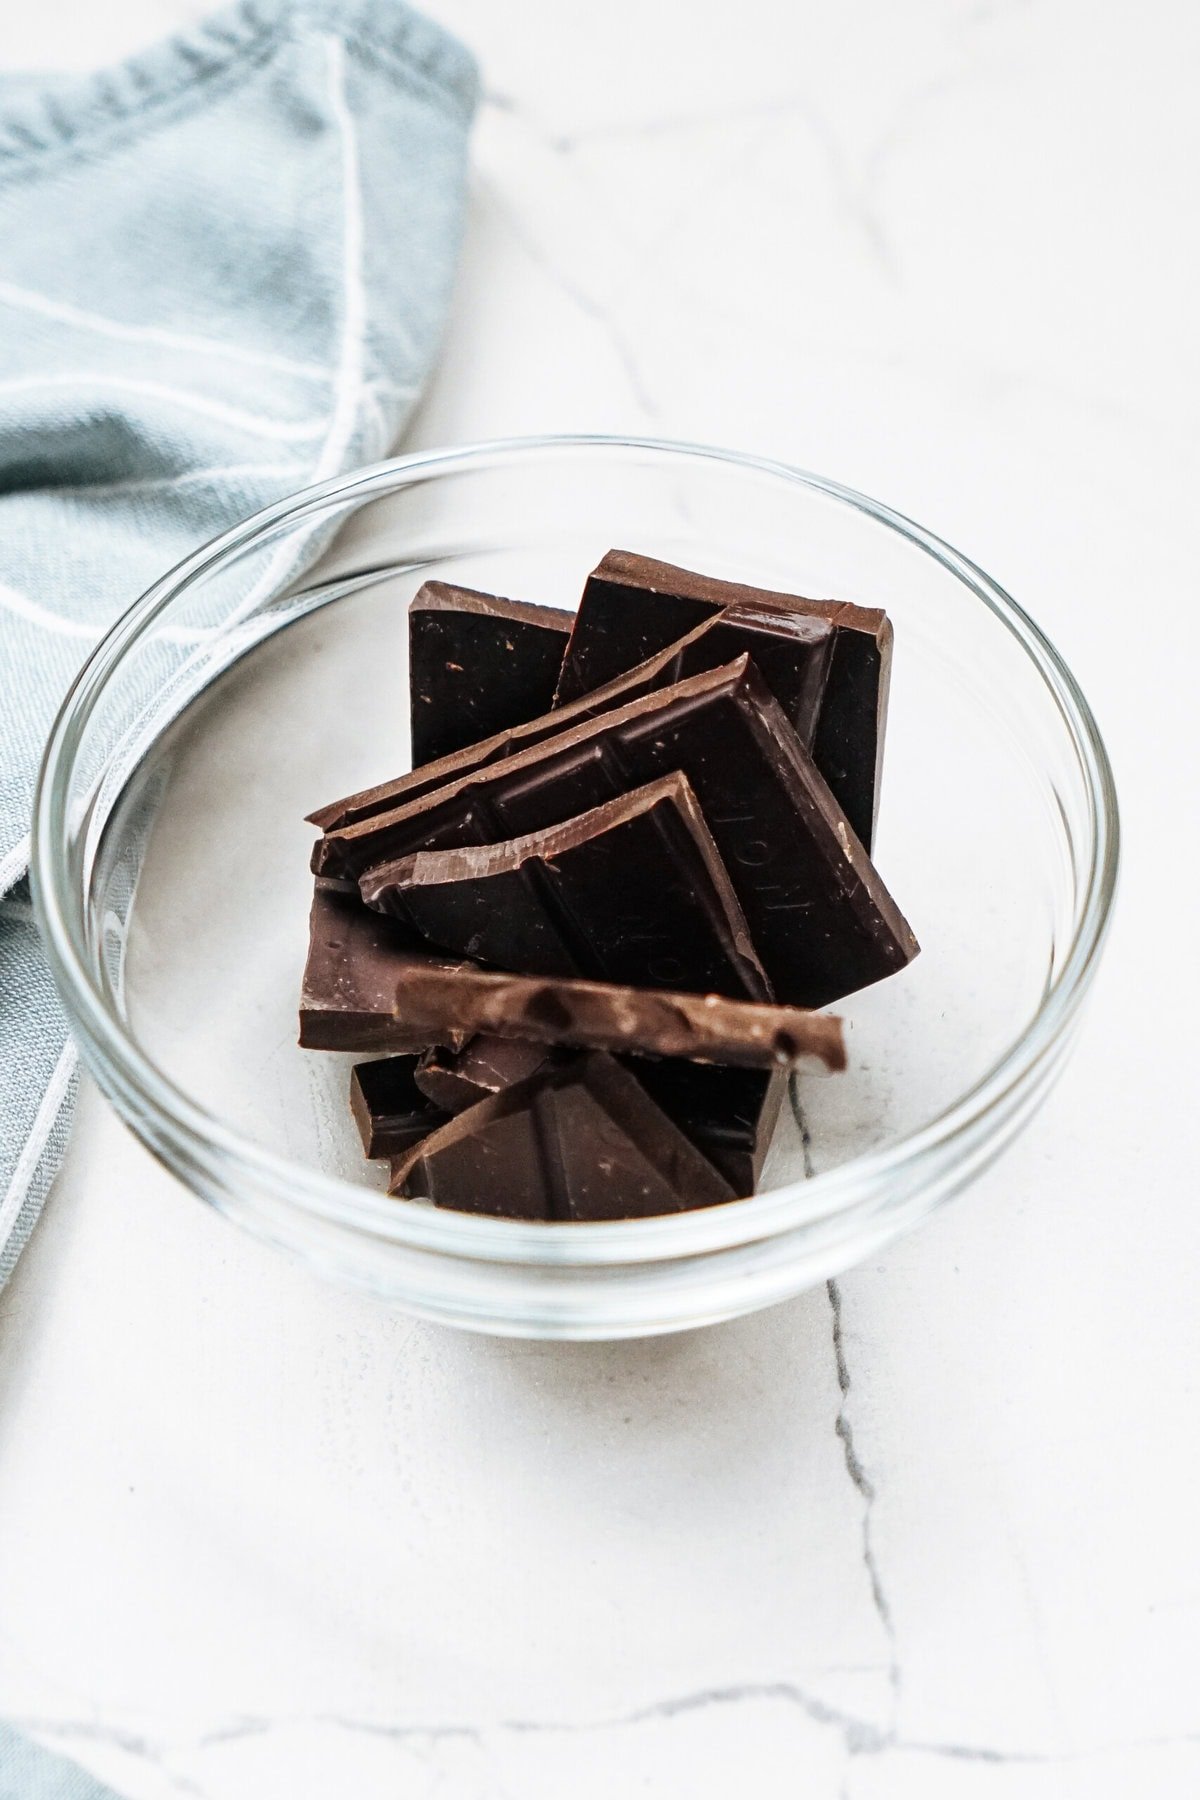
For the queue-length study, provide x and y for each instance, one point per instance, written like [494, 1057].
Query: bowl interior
[238, 723]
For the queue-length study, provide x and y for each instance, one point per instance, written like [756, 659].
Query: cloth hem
[65, 117]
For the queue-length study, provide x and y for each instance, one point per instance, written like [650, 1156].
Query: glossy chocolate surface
[791, 652]
[821, 920]
[476, 664]
[369, 985]
[578, 1141]
[634, 606]
[729, 1114]
[391, 1112]
[634, 891]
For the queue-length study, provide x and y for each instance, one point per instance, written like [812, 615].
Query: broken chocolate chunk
[729, 1114]
[370, 985]
[456, 1079]
[626, 837]
[633, 891]
[633, 606]
[790, 650]
[348, 995]
[391, 1112]
[821, 920]
[579, 1141]
[477, 664]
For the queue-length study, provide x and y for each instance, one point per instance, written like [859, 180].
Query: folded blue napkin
[27, 1772]
[224, 268]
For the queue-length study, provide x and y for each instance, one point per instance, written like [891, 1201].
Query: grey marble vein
[861, 1481]
[866, 1489]
[581, 300]
[860, 1737]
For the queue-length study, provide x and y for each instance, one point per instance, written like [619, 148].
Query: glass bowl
[170, 861]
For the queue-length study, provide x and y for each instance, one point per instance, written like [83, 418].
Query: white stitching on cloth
[150, 484]
[35, 1143]
[29, 300]
[348, 377]
[288, 430]
[25, 608]
[14, 865]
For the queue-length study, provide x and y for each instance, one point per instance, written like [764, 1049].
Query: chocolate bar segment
[791, 651]
[848, 745]
[581, 1141]
[348, 995]
[477, 664]
[821, 920]
[391, 1112]
[728, 1114]
[633, 606]
[633, 891]
[370, 985]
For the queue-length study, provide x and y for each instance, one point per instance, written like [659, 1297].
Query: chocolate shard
[391, 1112]
[477, 664]
[369, 985]
[348, 995]
[821, 919]
[456, 1079]
[633, 891]
[728, 1114]
[633, 606]
[581, 1141]
[792, 652]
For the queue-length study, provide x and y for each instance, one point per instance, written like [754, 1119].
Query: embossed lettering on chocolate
[633, 891]
[820, 917]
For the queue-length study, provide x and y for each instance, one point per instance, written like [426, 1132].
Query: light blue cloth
[27, 1772]
[224, 268]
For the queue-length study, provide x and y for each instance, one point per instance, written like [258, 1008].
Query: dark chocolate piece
[848, 746]
[477, 664]
[633, 891]
[790, 650]
[369, 985]
[456, 1079]
[729, 1114]
[821, 920]
[579, 1141]
[633, 606]
[391, 1112]
[348, 996]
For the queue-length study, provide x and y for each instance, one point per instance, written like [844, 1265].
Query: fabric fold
[69, 113]
[225, 271]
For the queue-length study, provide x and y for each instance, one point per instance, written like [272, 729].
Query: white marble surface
[931, 1533]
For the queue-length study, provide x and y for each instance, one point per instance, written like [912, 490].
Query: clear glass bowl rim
[201, 1148]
